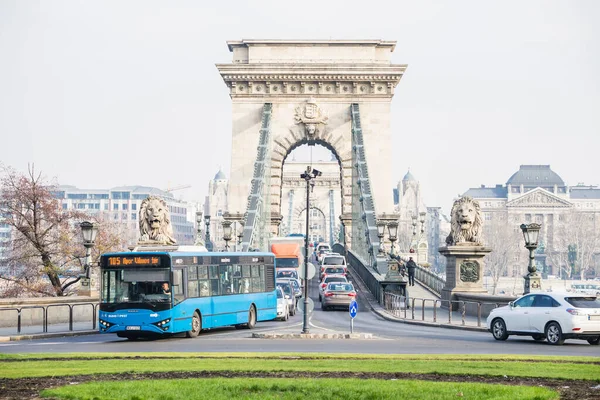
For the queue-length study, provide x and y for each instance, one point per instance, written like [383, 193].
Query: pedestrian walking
[411, 266]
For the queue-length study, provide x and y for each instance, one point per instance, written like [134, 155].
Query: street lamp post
[422, 216]
[530, 234]
[226, 233]
[414, 232]
[393, 233]
[198, 228]
[308, 175]
[240, 234]
[380, 235]
[89, 230]
[208, 243]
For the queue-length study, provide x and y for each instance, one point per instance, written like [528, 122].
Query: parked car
[550, 316]
[288, 291]
[283, 309]
[333, 271]
[338, 294]
[330, 279]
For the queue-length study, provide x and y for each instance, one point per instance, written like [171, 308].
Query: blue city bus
[207, 290]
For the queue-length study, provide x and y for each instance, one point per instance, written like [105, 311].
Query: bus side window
[177, 287]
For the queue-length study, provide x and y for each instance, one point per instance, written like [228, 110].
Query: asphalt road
[389, 338]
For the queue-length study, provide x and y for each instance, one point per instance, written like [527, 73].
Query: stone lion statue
[155, 221]
[466, 222]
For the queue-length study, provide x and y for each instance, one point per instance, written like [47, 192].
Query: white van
[322, 248]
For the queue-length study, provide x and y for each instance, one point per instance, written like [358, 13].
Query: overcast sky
[107, 93]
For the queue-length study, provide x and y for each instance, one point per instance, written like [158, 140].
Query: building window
[124, 216]
[125, 207]
[219, 213]
[80, 206]
[134, 207]
[488, 216]
[65, 206]
[105, 206]
[115, 206]
[133, 216]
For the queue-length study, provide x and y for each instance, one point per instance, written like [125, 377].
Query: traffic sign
[353, 309]
[311, 271]
[311, 305]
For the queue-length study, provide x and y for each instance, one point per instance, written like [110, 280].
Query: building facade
[122, 204]
[569, 216]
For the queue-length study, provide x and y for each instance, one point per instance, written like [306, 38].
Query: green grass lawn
[53, 365]
[464, 365]
[296, 389]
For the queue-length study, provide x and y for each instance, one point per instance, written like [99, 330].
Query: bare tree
[45, 253]
[504, 240]
[578, 230]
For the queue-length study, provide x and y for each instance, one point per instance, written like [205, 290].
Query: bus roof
[191, 253]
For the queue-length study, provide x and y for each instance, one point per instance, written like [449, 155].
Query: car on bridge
[330, 279]
[333, 271]
[283, 309]
[338, 294]
[550, 316]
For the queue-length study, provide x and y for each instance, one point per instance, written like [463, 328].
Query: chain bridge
[289, 93]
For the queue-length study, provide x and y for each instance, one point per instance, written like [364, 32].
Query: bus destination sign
[134, 261]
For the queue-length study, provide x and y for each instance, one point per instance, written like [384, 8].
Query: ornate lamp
[89, 230]
[226, 233]
[240, 234]
[208, 243]
[422, 220]
[531, 234]
[393, 233]
[381, 234]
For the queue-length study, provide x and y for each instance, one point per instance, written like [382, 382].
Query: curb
[312, 335]
[45, 335]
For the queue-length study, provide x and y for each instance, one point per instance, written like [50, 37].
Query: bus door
[182, 321]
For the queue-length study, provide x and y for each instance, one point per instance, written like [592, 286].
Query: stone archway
[310, 87]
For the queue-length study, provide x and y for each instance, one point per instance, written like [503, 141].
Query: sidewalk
[425, 312]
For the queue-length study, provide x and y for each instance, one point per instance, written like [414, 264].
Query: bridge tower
[286, 93]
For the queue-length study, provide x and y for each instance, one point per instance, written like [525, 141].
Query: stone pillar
[464, 270]
[347, 222]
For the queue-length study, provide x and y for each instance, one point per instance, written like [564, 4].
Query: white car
[548, 316]
[283, 311]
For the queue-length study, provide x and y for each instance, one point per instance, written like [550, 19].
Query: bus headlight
[105, 324]
[163, 324]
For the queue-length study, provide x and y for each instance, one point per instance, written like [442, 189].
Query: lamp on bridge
[198, 228]
[393, 232]
[89, 230]
[240, 234]
[226, 233]
[208, 243]
[414, 238]
[531, 234]
[380, 235]
[307, 175]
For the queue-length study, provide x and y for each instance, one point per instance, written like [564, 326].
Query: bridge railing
[42, 318]
[438, 311]
[430, 279]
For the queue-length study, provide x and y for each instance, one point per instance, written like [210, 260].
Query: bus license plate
[133, 328]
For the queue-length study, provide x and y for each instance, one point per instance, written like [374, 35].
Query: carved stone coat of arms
[311, 116]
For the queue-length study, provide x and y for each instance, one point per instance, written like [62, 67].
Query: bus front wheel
[251, 318]
[196, 326]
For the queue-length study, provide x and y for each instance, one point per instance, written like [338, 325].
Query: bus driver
[165, 288]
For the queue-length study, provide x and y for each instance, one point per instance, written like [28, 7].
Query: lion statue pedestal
[464, 271]
[464, 251]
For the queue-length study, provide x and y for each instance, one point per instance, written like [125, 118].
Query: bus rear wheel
[251, 318]
[196, 326]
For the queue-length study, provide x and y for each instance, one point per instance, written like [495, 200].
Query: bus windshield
[135, 286]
